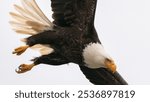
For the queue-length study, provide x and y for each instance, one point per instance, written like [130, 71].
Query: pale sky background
[123, 27]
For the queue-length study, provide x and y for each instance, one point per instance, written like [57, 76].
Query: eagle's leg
[46, 37]
[51, 59]
[24, 68]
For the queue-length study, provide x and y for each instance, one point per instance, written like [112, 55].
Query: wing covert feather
[62, 12]
[102, 76]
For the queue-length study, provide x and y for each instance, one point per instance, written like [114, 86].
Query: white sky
[123, 27]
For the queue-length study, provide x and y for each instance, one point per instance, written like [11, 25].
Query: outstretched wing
[31, 20]
[79, 12]
[102, 76]
[63, 12]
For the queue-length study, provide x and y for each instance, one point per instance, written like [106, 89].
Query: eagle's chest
[71, 47]
[70, 40]
[72, 50]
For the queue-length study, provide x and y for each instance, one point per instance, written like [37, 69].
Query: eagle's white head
[96, 57]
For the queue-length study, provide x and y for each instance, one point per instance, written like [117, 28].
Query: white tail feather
[31, 20]
[18, 17]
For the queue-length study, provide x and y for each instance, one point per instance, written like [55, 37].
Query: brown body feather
[72, 29]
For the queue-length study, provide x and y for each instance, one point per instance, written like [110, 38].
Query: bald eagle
[70, 38]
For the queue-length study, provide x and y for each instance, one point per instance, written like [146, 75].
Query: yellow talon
[20, 50]
[24, 68]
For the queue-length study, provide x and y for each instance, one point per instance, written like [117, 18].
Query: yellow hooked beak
[110, 64]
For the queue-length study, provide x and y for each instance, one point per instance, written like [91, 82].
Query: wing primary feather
[63, 12]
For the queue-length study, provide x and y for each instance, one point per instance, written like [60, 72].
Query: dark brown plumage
[72, 36]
